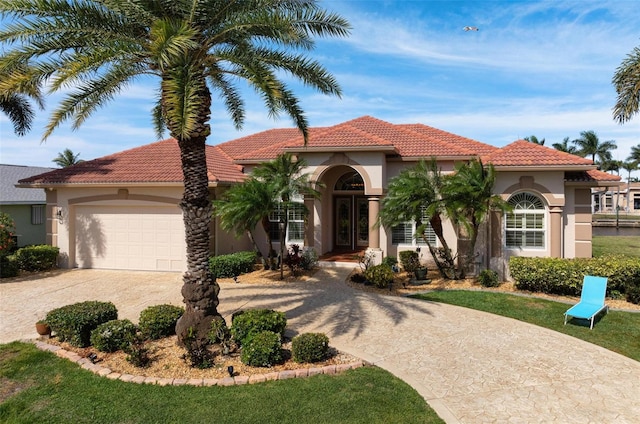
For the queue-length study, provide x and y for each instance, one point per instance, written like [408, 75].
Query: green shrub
[409, 260]
[248, 323]
[37, 258]
[137, 352]
[8, 266]
[565, 276]
[310, 347]
[263, 349]
[309, 259]
[379, 275]
[633, 295]
[159, 321]
[74, 323]
[7, 234]
[390, 261]
[113, 335]
[226, 266]
[489, 278]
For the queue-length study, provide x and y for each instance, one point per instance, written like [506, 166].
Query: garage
[149, 238]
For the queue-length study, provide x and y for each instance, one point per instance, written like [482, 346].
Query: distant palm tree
[611, 165]
[627, 83]
[589, 145]
[67, 158]
[635, 154]
[565, 147]
[534, 139]
[194, 48]
[15, 101]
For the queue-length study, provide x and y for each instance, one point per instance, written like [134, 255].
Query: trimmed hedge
[37, 258]
[379, 275]
[8, 266]
[74, 323]
[113, 335]
[248, 323]
[159, 321]
[226, 266]
[489, 278]
[264, 349]
[310, 347]
[564, 276]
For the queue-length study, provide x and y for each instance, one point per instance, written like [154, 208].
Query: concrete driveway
[470, 366]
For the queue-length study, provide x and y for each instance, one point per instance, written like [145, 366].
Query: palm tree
[589, 145]
[15, 101]
[627, 83]
[534, 139]
[284, 175]
[565, 147]
[193, 47]
[635, 154]
[468, 192]
[245, 205]
[414, 195]
[67, 158]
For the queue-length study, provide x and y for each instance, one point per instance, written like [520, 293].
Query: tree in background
[192, 47]
[67, 158]
[534, 139]
[590, 145]
[626, 81]
[565, 147]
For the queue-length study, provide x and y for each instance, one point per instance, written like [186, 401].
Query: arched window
[351, 181]
[525, 225]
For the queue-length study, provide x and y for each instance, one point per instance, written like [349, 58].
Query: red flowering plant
[7, 231]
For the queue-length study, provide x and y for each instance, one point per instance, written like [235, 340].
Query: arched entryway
[350, 213]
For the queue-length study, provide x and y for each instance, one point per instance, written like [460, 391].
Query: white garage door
[126, 237]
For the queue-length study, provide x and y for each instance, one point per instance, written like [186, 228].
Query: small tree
[7, 231]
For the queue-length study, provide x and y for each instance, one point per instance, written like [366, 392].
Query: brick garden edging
[227, 381]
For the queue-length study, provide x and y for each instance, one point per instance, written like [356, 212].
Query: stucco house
[121, 211]
[26, 207]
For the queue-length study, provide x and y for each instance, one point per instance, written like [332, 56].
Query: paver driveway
[472, 367]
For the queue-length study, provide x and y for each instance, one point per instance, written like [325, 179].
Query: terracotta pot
[43, 329]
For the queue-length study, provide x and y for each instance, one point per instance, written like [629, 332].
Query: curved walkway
[470, 366]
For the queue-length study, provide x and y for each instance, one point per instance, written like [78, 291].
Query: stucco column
[309, 233]
[555, 231]
[374, 231]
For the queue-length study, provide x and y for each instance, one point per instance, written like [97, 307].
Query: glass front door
[352, 229]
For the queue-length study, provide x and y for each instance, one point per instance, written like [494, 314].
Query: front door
[351, 222]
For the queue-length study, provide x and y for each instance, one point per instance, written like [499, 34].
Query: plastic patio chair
[591, 300]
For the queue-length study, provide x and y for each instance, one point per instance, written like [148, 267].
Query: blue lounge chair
[591, 300]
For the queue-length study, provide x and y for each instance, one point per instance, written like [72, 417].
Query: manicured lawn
[616, 245]
[37, 386]
[616, 331]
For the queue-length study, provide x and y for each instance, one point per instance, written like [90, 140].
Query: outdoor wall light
[59, 215]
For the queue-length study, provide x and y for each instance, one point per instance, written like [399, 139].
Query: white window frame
[529, 220]
[296, 219]
[409, 229]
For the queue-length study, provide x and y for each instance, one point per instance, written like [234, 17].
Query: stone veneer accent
[227, 381]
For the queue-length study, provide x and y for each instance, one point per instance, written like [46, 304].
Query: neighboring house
[26, 207]
[623, 198]
[121, 211]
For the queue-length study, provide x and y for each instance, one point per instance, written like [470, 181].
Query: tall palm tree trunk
[200, 289]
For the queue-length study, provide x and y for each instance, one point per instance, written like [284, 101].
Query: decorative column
[309, 233]
[374, 231]
[555, 231]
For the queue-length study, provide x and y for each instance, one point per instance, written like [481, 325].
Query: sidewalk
[470, 366]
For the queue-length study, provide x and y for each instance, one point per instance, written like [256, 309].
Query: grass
[617, 331]
[616, 245]
[37, 386]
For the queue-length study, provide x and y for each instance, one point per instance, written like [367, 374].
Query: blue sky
[533, 68]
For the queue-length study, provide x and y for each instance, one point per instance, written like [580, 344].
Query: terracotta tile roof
[157, 162]
[524, 153]
[465, 144]
[590, 176]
